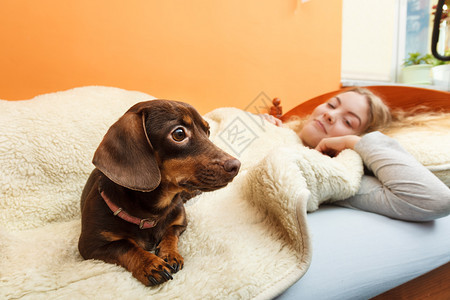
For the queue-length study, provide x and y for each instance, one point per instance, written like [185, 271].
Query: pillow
[431, 147]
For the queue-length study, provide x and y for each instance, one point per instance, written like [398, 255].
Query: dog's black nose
[232, 166]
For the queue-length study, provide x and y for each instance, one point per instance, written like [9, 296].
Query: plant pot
[441, 76]
[417, 74]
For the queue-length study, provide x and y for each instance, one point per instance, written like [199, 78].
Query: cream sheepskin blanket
[249, 240]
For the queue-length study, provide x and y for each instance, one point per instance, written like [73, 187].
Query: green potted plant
[417, 69]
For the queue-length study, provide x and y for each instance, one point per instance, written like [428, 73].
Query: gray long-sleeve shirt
[396, 184]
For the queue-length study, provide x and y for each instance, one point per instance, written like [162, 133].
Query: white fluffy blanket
[248, 240]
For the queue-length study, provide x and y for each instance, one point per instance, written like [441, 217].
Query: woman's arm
[334, 145]
[401, 187]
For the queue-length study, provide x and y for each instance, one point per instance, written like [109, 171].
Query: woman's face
[344, 114]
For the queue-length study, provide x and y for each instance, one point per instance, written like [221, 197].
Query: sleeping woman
[395, 184]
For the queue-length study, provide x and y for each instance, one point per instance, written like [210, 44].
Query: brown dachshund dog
[133, 202]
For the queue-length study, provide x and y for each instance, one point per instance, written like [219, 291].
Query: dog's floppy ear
[126, 155]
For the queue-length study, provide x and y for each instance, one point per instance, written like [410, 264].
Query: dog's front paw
[153, 271]
[173, 258]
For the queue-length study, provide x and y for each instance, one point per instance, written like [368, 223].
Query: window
[378, 35]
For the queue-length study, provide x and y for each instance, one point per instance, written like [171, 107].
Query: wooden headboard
[394, 96]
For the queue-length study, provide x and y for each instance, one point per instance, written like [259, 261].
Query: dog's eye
[178, 134]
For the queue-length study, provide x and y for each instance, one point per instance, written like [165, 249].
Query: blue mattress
[358, 255]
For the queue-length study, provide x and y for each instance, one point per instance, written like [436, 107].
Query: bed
[251, 240]
[363, 255]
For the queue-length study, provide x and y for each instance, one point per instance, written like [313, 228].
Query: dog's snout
[232, 166]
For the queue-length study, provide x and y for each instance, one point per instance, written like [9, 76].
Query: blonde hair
[421, 118]
[379, 117]
[391, 121]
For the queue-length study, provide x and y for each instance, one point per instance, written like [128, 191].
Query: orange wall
[210, 53]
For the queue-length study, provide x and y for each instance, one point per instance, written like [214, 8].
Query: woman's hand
[334, 145]
[271, 119]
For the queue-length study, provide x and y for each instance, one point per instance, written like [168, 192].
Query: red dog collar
[119, 212]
